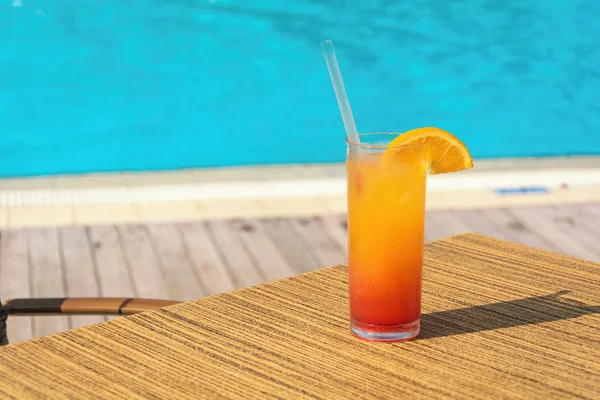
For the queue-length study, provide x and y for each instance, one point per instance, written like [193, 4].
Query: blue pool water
[113, 85]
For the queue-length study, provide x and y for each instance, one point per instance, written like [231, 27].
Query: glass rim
[380, 146]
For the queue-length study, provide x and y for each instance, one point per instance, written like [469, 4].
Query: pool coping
[262, 182]
[277, 191]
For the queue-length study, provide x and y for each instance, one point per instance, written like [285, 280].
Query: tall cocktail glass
[386, 222]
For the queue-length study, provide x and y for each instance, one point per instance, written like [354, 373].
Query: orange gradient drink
[386, 217]
[386, 222]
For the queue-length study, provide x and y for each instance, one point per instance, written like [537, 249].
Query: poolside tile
[435, 200]
[167, 211]
[26, 183]
[229, 208]
[292, 206]
[335, 203]
[580, 194]
[159, 178]
[534, 199]
[40, 216]
[336, 170]
[254, 173]
[104, 213]
[296, 171]
[195, 176]
[468, 199]
[88, 181]
[233, 174]
[316, 171]
[4, 223]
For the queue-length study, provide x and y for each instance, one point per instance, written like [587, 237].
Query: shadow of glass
[505, 314]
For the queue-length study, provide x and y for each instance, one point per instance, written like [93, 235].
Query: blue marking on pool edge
[521, 190]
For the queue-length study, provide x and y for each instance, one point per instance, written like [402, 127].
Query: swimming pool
[113, 85]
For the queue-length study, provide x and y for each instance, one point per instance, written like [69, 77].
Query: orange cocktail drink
[386, 222]
[386, 217]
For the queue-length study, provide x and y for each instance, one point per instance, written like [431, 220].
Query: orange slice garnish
[446, 152]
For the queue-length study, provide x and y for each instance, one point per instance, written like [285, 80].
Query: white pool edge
[285, 188]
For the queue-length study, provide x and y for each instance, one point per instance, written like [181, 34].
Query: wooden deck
[183, 261]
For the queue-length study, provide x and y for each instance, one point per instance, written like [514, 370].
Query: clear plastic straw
[340, 90]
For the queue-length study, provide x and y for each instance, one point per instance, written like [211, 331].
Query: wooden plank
[570, 229]
[114, 279]
[325, 251]
[80, 275]
[525, 227]
[584, 216]
[205, 259]
[109, 262]
[497, 323]
[180, 278]
[146, 275]
[588, 215]
[291, 245]
[519, 229]
[442, 224]
[540, 219]
[479, 222]
[564, 223]
[336, 227]
[15, 280]
[593, 209]
[262, 249]
[244, 271]
[47, 277]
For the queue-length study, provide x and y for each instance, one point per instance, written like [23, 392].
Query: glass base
[386, 333]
